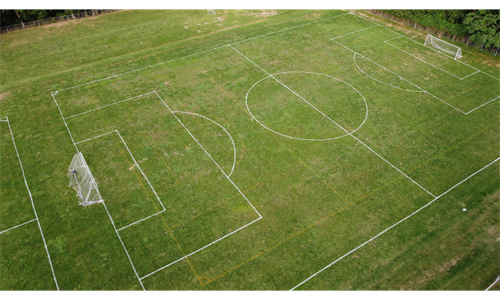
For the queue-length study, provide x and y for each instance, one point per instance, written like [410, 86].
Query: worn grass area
[260, 180]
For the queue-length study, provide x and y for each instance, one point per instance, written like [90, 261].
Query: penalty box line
[395, 224]
[208, 154]
[350, 134]
[115, 131]
[477, 70]
[385, 69]
[32, 204]
[228, 178]
[420, 44]
[104, 204]
[421, 90]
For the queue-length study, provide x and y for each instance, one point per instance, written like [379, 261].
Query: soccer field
[311, 150]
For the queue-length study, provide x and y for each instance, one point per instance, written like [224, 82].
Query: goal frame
[429, 41]
[83, 200]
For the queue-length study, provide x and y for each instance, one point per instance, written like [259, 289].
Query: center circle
[327, 107]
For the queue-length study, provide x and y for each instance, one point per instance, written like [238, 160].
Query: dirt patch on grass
[60, 24]
[4, 95]
[70, 21]
[393, 25]
[261, 20]
[264, 13]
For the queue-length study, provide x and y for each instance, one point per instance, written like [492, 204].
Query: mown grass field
[248, 150]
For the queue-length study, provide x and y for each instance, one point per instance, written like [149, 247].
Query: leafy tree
[484, 27]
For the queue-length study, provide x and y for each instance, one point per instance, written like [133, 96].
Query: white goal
[443, 46]
[211, 11]
[81, 179]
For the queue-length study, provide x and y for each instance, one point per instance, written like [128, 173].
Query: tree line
[19, 16]
[480, 26]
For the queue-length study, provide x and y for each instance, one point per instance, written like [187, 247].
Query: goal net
[443, 46]
[81, 179]
[211, 11]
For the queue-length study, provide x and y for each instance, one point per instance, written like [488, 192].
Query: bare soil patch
[4, 95]
[265, 13]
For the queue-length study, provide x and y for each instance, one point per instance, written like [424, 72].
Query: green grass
[318, 199]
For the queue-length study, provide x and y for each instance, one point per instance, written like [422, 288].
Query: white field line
[490, 75]
[443, 53]
[17, 226]
[110, 218]
[426, 46]
[164, 62]
[33, 206]
[137, 222]
[321, 20]
[432, 95]
[123, 245]
[137, 164]
[114, 227]
[395, 224]
[116, 230]
[385, 69]
[231, 233]
[382, 67]
[194, 252]
[482, 105]
[106, 106]
[62, 116]
[305, 139]
[470, 75]
[336, 124]
[355, 32]
[140, 169]
[422, 60]
[209, 154]
[356, 63]
[135, 70]
[232, 141]
[95, 137]
[398, 37]
[496, 281]
[119, 237]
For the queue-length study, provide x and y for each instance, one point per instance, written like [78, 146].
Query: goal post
[443, 46]
[81, 179]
